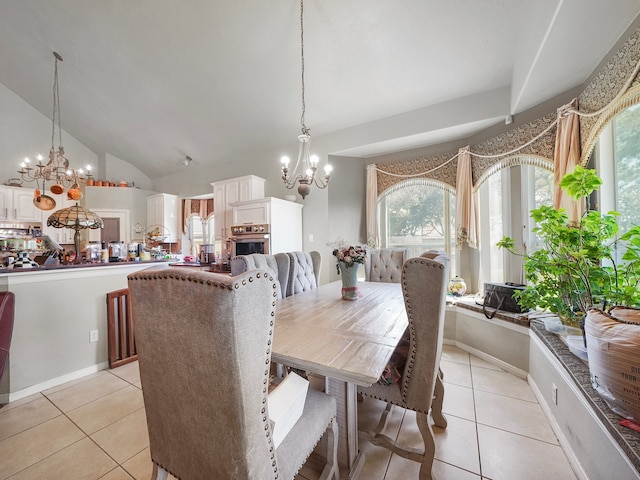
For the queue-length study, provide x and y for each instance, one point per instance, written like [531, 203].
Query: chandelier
[57, 170]
[307, 163]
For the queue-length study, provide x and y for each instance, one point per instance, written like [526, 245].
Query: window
[497, 196]
[626, 142]
[418, 215]
[199, 232]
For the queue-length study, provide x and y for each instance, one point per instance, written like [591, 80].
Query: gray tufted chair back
[204, 346]
[385, 265]
[278, 265]
[305, 272]
[424, 285]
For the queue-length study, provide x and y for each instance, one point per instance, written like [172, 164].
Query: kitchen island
[56, 308]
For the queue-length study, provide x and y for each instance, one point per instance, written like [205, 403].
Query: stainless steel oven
[248, 239]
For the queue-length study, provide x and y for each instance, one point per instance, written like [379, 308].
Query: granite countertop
[627, 439]
[76, 266]
[470, 303]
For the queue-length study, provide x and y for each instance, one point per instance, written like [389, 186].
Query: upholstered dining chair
[305, 272]
[278, 265]
[7, 307]
[385, 264]
[424, 286]
[204, 348]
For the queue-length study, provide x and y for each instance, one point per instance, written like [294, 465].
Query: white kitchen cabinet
[16, 205]
[63, 236]
[162, 211]
[283, 217]
[229, 191]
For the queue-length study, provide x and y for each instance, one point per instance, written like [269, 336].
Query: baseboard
[562, 439]
[54, 382]
[493, 360]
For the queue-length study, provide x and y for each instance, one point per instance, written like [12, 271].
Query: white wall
[117, 170]
[26, 132]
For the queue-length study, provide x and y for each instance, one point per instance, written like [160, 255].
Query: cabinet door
[219, 207]
[170, 216]
[24, 209]
[6, 204]
[231, 194]
[154, 211]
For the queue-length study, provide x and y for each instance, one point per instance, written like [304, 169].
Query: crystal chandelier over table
[56, 171]
[307, 163]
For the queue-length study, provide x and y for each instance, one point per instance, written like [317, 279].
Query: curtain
[566, 156]
[466, 213]
[201, 207]
[372, 207]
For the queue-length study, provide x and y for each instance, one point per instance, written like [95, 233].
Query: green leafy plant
[576, 267]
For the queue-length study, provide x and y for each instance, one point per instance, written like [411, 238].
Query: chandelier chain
[305, 130]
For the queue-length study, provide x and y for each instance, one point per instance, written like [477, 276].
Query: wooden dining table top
[351, 341]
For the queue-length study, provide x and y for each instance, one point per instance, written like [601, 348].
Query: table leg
[350, 460]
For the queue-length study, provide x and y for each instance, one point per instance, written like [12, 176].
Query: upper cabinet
[229, 191]
[16, 205]
[162, 211]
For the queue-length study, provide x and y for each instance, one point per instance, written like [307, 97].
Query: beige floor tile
[458, 444]
[125, 438]
[17, 403]
[129, 372]
[445, 471]
[451, 353]
[67, 399]
[28, 415]
[402, 468]
[117, 474]
[139, 466]
[458, 401]
[26, 448]
[514, 415]
[456, 373]
[106, 410]
[83, 460]
[502, 383]
[479, 362]
[370, 411]
[376, 461]
[507, 456]
[71, 383]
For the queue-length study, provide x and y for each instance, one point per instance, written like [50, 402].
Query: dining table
[349, 342]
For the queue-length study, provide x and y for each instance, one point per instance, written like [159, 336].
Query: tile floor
[94, 428]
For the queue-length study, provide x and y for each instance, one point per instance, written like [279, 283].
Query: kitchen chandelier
[56, 170]
[308, 163]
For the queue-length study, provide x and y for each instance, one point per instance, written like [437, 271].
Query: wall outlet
[93, 336]
[554, 394]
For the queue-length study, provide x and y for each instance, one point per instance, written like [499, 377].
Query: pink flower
[347, 259]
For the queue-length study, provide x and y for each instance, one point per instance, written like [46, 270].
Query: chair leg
[330, 471]
[159, 473]
[429, 446]
[436, 405]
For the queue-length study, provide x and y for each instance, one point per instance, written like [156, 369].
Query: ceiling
[151, 81]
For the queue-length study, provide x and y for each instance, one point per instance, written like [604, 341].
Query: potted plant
[576, 267]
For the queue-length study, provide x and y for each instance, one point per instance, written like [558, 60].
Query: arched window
[418, 214]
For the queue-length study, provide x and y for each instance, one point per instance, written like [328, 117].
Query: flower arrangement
[350, 255]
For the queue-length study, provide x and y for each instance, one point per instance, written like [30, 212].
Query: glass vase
[349, 277]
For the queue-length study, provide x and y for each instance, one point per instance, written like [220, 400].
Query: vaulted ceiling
[151, 81]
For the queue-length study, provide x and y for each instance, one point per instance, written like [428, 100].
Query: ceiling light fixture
[308, 163]
[57, 169]
[187, 161]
